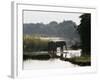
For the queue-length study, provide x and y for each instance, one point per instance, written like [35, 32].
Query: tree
[84, 30]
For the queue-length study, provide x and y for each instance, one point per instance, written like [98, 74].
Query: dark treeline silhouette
[84, 30]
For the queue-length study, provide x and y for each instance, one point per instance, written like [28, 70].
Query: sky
[47, 17]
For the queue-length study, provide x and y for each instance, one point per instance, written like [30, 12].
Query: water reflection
[47, 64]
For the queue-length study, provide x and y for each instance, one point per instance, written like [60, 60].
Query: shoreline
[81, 61]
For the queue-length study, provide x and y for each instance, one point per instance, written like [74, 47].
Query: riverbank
[84, 60]
[81, 61]
[37, 57]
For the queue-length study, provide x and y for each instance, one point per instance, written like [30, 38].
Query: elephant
[52, 47]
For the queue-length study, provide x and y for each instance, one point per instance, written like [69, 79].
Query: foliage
[84, 30]
[81, 61]
[33, 43]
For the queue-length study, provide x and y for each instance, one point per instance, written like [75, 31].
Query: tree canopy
[84, 30]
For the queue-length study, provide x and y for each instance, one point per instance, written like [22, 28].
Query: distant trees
[65, 29]
[84, 30]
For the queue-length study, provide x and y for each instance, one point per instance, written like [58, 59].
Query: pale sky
[47, 17]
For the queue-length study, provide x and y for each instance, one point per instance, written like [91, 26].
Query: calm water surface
[47, 64]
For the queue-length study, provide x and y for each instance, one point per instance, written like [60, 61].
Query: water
[51, 63]
[47, 64]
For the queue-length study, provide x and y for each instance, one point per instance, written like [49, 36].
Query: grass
[82, 60]
[33, 43]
